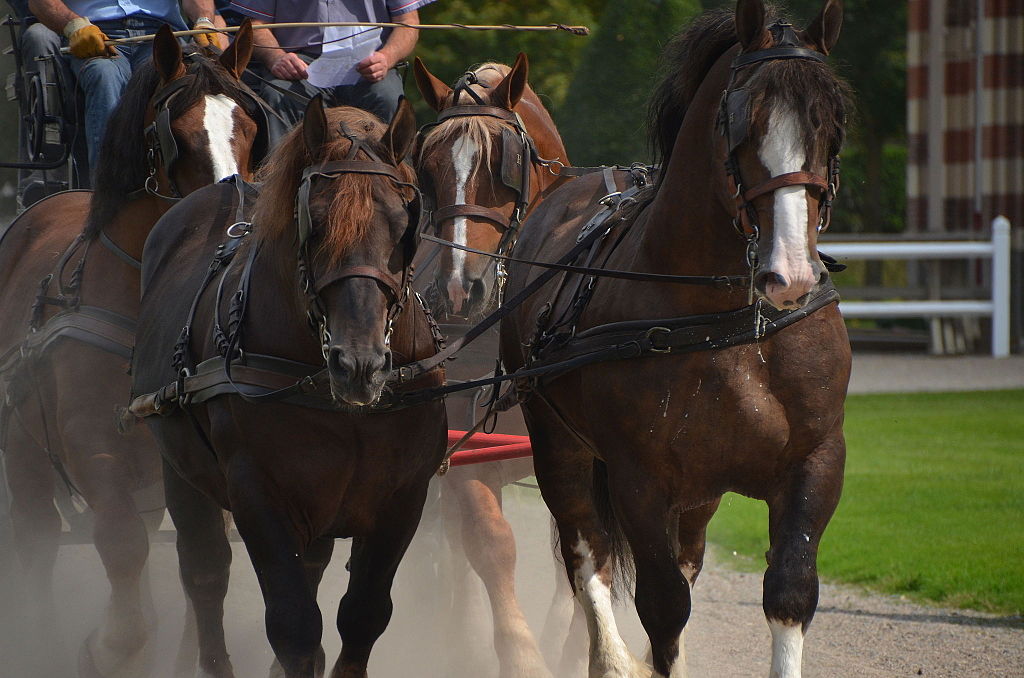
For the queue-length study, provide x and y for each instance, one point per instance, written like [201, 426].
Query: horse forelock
[808, 87]
[351, 209]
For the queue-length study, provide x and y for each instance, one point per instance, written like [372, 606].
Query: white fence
[997, 308]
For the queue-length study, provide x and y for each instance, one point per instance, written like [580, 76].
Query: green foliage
[602, 120]
[854, 211]
[553, 56]
[931, 506]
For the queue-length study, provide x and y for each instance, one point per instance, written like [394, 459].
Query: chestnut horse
[750, 399]
[492, 130]
[337, 214]
[69, 294]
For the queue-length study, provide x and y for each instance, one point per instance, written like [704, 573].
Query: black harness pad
[512, 151]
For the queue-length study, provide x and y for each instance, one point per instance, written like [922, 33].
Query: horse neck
[131, 225]
[688, 227]
[541, 128]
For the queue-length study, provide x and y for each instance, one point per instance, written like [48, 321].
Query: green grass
[932, 507]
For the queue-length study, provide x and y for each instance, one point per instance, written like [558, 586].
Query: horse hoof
[93, 664]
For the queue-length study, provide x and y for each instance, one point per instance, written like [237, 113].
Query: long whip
[574, 30]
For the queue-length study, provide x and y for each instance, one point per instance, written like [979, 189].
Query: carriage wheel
[34, 117]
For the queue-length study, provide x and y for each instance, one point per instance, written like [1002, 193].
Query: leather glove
[86, 40]
[218, 40]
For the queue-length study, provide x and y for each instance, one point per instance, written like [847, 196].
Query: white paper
[345, 47]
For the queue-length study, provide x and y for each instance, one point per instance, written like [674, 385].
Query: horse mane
[478, 129]
[351, 209]
[808, 88]
[122, 166]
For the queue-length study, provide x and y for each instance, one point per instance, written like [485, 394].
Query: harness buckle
[649, 340]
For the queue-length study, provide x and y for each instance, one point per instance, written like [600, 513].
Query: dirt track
[853, 634]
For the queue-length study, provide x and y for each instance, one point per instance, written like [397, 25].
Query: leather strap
[120, 253]
[472, 211]
[391, 286]
[775, 53]
[784, 181]
[474, 110]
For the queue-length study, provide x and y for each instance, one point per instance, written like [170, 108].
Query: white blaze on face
[787, 649]
[219, 121]
[464, 153]
[609, 655]
[781, 152]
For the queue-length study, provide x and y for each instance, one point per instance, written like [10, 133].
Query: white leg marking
[464, 153]
[787, 649]
[782, 152]
[218, 119]
[609, 656]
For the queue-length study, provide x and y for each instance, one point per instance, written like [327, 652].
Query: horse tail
[622, 563]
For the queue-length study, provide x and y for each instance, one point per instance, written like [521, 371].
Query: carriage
[52, 154]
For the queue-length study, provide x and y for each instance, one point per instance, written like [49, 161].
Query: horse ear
[401, 133]
[433, 90]
[236, 57]
[167, 55]
[750, 30]
[314, 126]
[824, 30]
[509, 91]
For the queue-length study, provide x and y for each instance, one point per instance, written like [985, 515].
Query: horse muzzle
[357, 378]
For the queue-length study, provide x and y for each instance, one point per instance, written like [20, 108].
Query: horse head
[340, 180]
[202, 123]
[782, 122]
[477, 165]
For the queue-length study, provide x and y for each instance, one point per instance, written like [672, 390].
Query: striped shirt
[305, 39]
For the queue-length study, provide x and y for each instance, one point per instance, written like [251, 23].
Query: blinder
[513, 148]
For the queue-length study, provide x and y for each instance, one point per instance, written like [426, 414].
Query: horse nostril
[769, 278]
[338, 363]
[823, 278]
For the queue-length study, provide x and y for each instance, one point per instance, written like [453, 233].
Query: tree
[602, 120]
[553, 56]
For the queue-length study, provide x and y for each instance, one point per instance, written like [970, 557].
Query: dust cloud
[441, 626]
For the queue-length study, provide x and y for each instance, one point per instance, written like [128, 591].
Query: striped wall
[942, 81]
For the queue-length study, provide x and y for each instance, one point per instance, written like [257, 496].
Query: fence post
[1000, 287]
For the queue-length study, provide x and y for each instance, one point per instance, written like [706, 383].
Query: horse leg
[490, 547]
[366, 607]
[565, 472]
[315, 560]
[204, 562]
[293, 621]
[122, 541]
[798, 514]
[35, 526]
[662, 592]
[692, 532]
[462, 593]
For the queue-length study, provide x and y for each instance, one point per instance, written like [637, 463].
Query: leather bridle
[396, 290]
[734, 123]
[518, 155]
[161, 147]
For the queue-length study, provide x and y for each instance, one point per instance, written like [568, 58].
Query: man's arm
[53, 14]
[84, 39]
[195, 12]
[400, 44]
[282, 64]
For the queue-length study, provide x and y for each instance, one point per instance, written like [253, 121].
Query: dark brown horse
[645, 447]
[480, 165]
[69, 295]
[325, 278]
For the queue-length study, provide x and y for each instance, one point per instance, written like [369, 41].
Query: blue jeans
[103, 79]
[380, 98]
